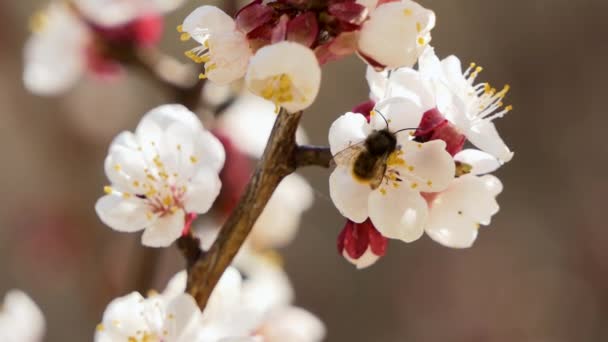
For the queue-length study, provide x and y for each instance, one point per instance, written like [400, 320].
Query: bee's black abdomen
[364, 165]
[381, 142]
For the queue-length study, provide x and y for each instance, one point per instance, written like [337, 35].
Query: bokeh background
[538, 273]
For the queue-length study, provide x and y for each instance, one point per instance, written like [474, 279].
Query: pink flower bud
[361, 244]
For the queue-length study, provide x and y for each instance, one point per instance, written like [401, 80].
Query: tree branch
[278, 161]
[313, 156]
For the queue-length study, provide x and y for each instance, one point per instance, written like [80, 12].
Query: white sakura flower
[161, 175]
[396, 34]
[470, 107]
[278, 224]
[224, 49]
[292, 324]
[20, 319]
[470, 201]
[135, 318]
[286, 73]
[248, 123]
[118, 12]
[54, 55]
[395, 207]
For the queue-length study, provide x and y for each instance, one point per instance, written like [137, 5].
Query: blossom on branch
[69, 39]
[161, 176]
[286, 74]
[391, 198]
[20, 319]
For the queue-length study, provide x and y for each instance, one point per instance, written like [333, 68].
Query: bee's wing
[347, 156]
[379, 171]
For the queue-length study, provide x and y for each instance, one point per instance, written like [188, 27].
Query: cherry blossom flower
[396, 34]
[471, 107]
[20, 319]
[55, 53]
[162, 175]
[395, 207]
[257, 308]
[110, 13]
[224, 49]
[361, 243]
[456, 213]
[70, 39]
[285, 73]
[156, 318]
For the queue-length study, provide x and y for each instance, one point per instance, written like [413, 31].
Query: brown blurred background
[538, 273]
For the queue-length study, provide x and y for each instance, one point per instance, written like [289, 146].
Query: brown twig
[278, 161]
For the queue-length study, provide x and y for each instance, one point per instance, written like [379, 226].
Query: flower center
[280, 89]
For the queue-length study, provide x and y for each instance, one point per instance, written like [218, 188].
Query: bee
[367, 159]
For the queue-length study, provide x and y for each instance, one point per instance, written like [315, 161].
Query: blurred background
[538, 273]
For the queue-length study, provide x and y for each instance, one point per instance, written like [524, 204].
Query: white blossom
[469, 106]
[396, 33]
[257, 308]
[165, 170]
[286, 73]
[118, 12]
[456, 213]
[396, 207]
[20, 319]
[54, 55]
[156, 318]
[224, 49]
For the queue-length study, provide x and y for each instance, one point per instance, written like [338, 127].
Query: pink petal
[303, 29]
[434, 126]
[341, 46]
[253, 16]
[279, 32]
[349, 12]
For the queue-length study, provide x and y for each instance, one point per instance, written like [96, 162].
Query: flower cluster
[254, 309]
[401, 168]
[71, 38]
[278, 46]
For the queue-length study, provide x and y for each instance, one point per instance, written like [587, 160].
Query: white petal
[294, 325]
[480, 161]
[185, 314]
[349, 196]
[248, 123]
[165, 115]
[122, 318]
[428, 167]
[366, 260]
[485, 137]
[348, 129]
[176, 285]
[457, 212]
[401, 113]
[399, 213]
[409, 83]
[229, 54]
[209, 151]
[391, 34]
[20, 318]
[225, 296]
[285, 73]
[123, 166]
[202, 191]
[125, 215]
[279, 222]
[377, 82]
[165, 230]
[207, 20]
